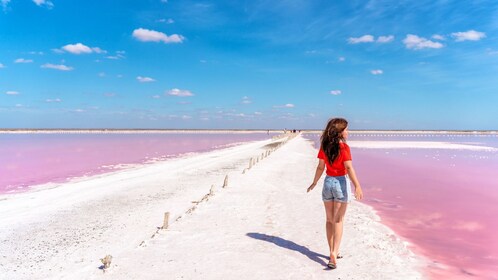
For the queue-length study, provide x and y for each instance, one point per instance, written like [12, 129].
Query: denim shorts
[337, 189]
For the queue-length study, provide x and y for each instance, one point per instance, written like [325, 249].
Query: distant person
[335, 155]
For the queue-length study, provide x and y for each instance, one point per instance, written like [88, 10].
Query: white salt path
[262, 226]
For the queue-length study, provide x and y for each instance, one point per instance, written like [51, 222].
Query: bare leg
[329, 225]
[339, 210]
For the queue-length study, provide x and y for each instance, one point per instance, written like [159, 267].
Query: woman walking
[335, 156]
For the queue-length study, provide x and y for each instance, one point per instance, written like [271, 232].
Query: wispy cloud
[22, 60]
[145, 79]
[4, 4]
[56, 100]
[335, 92]
[288, 105]
[45, 3]
[60, 67]
[12, 92]
[146, 35]
[377, 72]
[179, 92]
[385, 39]
[370, 39]
[2, 66]
[362, 39]
[438, 37]
[80, 48]
[415, 42]
[164, 20]
[118, 55]
[341, 59]
[246, 100]
[470, 35]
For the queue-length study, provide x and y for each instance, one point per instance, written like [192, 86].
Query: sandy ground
[263, 225]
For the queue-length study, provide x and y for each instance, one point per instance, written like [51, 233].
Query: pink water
[444, 202]
[33, 159]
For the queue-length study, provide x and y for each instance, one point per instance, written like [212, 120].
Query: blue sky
[248, 64]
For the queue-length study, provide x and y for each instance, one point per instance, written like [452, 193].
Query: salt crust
[262, 226]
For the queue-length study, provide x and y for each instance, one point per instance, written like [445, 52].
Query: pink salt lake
[33, 159]
[444, 202]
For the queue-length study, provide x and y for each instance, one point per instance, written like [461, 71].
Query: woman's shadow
[291, 246]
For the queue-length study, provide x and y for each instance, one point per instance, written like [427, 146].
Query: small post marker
[225, 183]
[166, 220]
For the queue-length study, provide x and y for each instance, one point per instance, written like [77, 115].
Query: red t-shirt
[337, 167]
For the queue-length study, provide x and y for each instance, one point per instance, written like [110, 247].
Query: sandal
[331, 265]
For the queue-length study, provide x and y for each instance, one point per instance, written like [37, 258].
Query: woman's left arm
[358, 193]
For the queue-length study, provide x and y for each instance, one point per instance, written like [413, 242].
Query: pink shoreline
[40, 159]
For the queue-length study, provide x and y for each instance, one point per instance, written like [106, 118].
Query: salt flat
[263, 225]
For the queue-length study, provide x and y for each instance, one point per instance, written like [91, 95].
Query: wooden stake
[225, 183]
[166, 220]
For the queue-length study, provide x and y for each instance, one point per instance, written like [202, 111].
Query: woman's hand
[358, 193]
[312, 186]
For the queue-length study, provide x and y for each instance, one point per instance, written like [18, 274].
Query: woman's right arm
[318, 174]
[358, 193]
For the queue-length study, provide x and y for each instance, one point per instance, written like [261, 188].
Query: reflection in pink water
[445, 202]
[32, 159]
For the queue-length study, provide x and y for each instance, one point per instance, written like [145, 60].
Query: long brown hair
[331, 137]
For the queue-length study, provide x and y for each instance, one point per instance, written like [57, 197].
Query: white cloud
[145, 79]
[79, 48]
[22, 60]
[168, 21]
[414, 42]
[46, 3]
[335, 92]
[12, 92]
[362, 39]
[57, 67]
[56, 100]
[377, 72]
[101, 74]
[438, 37]
[156, 96]
[2, 66]
[186, 117]
[258, 113]
[342, 58]
[118, 55]
[146, 35]
[246, 100]
[98, 50]
[470, 35]
[385, 39]
[179, 92]
[288, 105]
